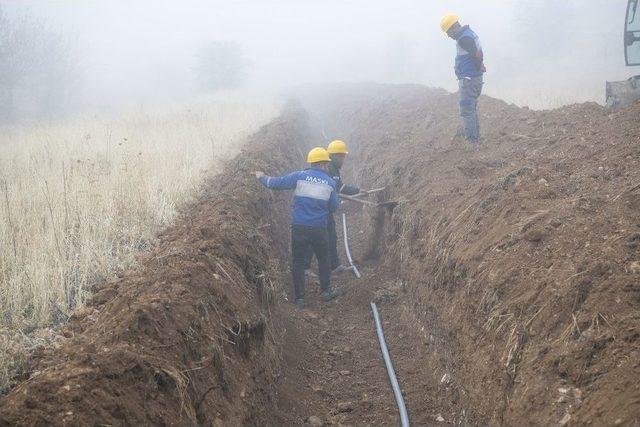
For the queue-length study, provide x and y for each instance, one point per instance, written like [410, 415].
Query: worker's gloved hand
[259, 174]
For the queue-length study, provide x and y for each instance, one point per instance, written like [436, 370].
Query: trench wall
[189, 337]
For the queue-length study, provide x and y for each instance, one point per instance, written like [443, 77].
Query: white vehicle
[628, 91]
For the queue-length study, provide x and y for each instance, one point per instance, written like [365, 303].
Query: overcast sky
[144, 50]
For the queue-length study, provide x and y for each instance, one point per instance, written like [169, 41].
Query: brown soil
[507, 281]
[520, 259]
[187, 339]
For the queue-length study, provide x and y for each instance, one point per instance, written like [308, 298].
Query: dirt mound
[507, 280]
[520, 259]
[187, 339]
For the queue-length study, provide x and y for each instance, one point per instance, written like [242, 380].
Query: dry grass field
[79, 199]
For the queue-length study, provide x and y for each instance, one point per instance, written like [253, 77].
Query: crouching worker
[315, 197]
[337, 153]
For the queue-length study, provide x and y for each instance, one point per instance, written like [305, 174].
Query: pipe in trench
[402, 409]
[346, 246]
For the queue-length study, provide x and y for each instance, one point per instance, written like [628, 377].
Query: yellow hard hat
[337, 147]
[447, 21]
[317, 155]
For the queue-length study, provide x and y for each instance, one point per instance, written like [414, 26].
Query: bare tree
[37, 66]
[220, 65]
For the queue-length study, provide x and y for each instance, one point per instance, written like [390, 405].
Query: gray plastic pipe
[346, 246]
[404, 417]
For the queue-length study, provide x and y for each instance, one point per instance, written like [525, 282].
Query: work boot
[329, 295]
[300, 303]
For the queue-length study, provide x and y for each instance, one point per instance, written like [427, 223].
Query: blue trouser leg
[469, 92]
[468, 114]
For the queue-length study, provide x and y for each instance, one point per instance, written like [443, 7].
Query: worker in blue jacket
[315, 197]
[469, 68]
[337, 152]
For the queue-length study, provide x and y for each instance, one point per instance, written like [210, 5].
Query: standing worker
[315, 197]
[469, 68]
[337, 152]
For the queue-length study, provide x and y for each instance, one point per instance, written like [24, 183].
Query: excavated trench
[506, 279]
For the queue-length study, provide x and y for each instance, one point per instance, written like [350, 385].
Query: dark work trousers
[332, 235]
[304, 240]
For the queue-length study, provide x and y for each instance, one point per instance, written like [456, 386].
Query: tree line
[38, 68]
[41, 74]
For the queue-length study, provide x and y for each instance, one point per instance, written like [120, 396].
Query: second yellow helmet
[337, 147]
[447, 21]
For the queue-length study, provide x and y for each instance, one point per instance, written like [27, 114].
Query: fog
[538, 52]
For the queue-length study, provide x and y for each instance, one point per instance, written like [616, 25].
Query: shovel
[388, 204]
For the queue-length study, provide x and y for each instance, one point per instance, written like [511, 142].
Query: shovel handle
[355, 199]
[367, 192]
[375, 190]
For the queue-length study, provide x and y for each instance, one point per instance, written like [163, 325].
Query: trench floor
[333, 367]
